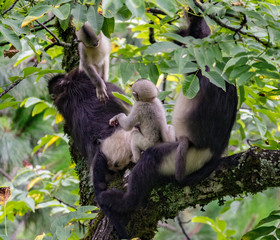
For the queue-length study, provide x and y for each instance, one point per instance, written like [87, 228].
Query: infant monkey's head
[144, 90]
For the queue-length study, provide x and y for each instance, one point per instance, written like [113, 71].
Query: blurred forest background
[39, 188]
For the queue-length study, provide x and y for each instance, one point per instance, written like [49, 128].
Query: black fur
[210, 124]
[86, 118]
[87, 122]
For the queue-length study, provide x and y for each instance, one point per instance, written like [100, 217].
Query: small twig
[6, 175]
[182, 227]
[156, 11]
[67, 204]
[50, 19]
[10, 87]
[167, 226]
[222, 24]
[55, 37]
[152, 34]
[10, 8]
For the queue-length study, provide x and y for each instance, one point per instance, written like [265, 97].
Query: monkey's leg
[136, 151]
[180, 164]
[106, 69]
[98, 82]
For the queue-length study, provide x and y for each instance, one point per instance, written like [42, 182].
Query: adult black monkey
[87, 122]
[87, 118]
[202, 125]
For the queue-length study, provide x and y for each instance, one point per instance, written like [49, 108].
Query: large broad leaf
[10, 36]
[137, 7]
[108, 26]
[153, 73]
[258, 232]
[62, 12]
[123, 13]
[168, 6]
[161, 47]
[95, 19]
[110, 7]
[216, 79]
[127, 70]
[35, 13]
[79, 13]
[123, 97]
[190, 86]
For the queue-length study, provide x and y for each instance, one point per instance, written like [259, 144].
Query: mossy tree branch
[251, 171]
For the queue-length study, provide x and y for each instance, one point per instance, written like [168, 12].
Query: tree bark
[251, 171]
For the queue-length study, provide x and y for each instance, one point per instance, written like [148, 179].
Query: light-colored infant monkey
[94, 53]
[147, 116]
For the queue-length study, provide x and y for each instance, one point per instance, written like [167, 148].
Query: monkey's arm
[106, 69]
[180, 162]
[126, 122]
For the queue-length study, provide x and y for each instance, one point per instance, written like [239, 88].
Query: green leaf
[123, 13]
[261, 126]
[95, 19]
[30, 203]
[108, 26]
[10, 36]
[162, 95]
[258, 232]
[8, 104]
[127, 70]
[137, 7]
[142, 69]
[30, 101]
[277, 232]
[62, 12]
[245, 77]
[216, 79]
[191, 86]
[110, 7]
[200, 58]
[40, 107]
[269, 237]
[168, 6]
[161, 47]
[4, 237]
[35, 13]
[122, 97]
[268, 219]
[153, 72]
[29, 70]
[79, 13]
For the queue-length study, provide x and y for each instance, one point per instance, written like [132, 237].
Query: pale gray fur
[117, 149]
[195, 158]
[94, 53]
[148, 118]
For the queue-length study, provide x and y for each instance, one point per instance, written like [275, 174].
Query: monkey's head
[144, 90]
[87, 36]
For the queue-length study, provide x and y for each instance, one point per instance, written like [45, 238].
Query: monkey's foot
[112, 199]
[101, 94]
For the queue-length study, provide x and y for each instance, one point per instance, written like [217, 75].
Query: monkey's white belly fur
[117, 149]
[195, 159]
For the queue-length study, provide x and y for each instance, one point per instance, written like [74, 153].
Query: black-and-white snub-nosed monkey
[202, 126]
[94, 53]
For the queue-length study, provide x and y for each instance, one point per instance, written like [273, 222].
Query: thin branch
[182, 227]
[50, 19]
[10, 87]
[6, 175]
[152, 34]
[67, 204]
[236, 30]
[10, 8]
[55, 37]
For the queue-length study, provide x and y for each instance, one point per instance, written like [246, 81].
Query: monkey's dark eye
[135, 95]
[96, 44]
[53, 96]
[116, 165]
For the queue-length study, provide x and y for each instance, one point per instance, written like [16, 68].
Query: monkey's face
[56, 86]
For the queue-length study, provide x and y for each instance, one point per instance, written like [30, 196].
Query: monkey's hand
[101, 93]
[114, 121]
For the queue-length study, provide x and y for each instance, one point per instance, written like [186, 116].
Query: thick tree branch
[235, 30]
[252, 171]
